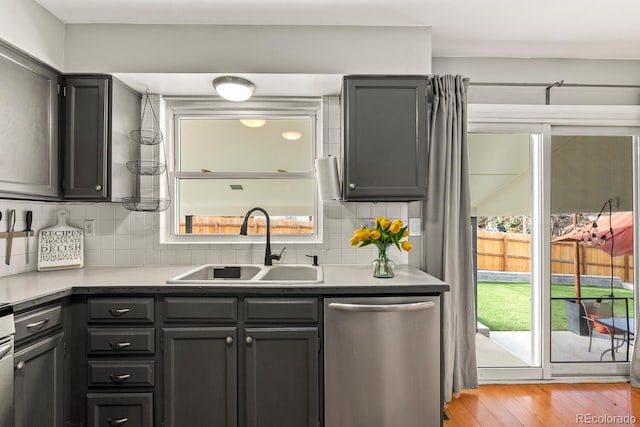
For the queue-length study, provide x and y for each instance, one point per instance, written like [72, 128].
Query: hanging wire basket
[147, 136]
[146, 167]
[145, 204]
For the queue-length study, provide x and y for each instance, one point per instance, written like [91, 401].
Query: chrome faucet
[268, 256]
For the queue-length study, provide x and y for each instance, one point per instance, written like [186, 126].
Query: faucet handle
[315, 259]
[280, 255]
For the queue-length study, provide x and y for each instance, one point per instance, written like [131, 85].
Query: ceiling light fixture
[253, 123]
[234, 88]
[291, 135]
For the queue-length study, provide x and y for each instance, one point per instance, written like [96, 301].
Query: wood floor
[547, 405]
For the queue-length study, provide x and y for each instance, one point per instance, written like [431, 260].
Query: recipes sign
[60, 247]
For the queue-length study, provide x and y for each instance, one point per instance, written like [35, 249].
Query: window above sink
[226, 158]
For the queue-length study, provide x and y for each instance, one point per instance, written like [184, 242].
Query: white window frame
[198, 107]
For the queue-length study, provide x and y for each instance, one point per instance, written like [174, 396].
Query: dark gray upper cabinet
[385, 138]
[99, 114]
[28, 127]
[86, 142]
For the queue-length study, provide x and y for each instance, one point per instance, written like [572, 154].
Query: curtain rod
[549, 86]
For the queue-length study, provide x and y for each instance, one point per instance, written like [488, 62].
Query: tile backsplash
[126, 238]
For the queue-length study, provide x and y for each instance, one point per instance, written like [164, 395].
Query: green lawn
[507, 306]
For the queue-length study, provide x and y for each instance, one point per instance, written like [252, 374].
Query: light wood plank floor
[545, 405]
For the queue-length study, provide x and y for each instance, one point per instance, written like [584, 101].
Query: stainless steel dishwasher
[382, 362]
[7, 331]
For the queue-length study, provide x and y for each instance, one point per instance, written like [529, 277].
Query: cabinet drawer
[118, 373]
[120, 410]
[113, 341]
[204, 309]
[130, 310]
[277, 310]
[37, 321]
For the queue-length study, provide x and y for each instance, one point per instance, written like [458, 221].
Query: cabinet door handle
[99, 188]
[115, 378]
[119, 345]
[20, 366]
[352, 186]
[37, 324]
[229, 340]
[5, 350]
[119, 311]
[249, 340]
[119, 422]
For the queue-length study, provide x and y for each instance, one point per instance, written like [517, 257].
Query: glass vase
[383, 267]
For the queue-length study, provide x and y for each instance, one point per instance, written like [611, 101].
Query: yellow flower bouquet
[383, 235]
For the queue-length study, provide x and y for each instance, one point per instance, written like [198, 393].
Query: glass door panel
[500, 186]
[591, 248]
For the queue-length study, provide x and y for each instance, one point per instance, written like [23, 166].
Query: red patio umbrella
[612, 234]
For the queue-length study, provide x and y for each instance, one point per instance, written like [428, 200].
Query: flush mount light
[291, 135]
[253, 123]
[234, 88]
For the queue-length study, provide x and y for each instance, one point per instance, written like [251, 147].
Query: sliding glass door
[554, 197]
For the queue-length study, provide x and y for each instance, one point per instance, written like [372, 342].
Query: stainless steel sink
[218, 273]
[251, 274]
[288, 273]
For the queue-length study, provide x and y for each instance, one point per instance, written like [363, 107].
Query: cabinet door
[28, 127]
[38, 380]
[200, 377]
[385, 138]
[86, 138]
[281, 377]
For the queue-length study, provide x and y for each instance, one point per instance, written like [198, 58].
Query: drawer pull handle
[115, 423]
[37, 324]
[119, 311]
[119, 378]
[119, 345]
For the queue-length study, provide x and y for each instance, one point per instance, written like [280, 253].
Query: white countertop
[24, 287]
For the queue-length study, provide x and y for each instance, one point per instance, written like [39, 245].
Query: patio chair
[603, 309]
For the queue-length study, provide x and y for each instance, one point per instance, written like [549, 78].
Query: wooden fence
[231, 225]
[499, 251]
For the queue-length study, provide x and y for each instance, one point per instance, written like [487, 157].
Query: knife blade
[29, 220]
[12, 224]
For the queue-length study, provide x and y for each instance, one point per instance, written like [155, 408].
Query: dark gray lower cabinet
[38, 384]
[200, 376]
[281, 377]
[119, 410]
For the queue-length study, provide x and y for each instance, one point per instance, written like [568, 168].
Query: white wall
[30, 27]
[547, 71]
[118, 48]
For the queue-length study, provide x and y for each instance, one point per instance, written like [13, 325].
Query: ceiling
[467, 28]
[460, 28]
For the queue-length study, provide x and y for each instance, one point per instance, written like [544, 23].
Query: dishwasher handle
[413, 306]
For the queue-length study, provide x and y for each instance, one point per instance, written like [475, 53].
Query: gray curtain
[447, 245]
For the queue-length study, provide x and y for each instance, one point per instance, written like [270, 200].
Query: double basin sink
[251, 274]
